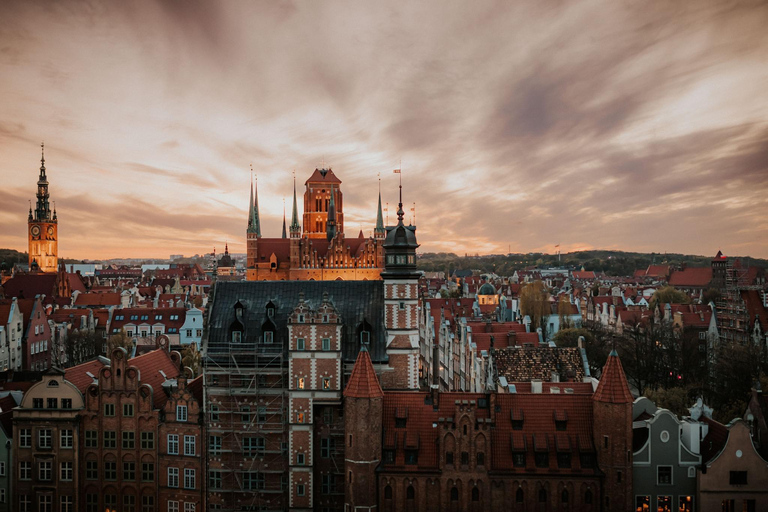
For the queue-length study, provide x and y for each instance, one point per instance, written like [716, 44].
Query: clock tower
[43, 227]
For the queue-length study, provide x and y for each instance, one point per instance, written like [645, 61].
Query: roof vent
[536, 386]
[90, 375]
[554, 390]
[568, 391]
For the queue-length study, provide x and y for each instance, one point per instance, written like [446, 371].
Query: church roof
[487, 289]
[363, 382]
[613, 387]
[323, 176]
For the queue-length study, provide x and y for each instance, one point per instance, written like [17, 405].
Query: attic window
[53, 383]
[269, 336]
[236, 336]
[561, 420]
[270, 310]
[517, 420]
[301, 319]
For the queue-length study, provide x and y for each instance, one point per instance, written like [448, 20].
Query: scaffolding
[245, 408]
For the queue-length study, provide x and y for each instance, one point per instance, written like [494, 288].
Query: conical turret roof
[363, 382]
[613, 387]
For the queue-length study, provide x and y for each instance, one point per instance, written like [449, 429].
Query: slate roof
[613, 387]
[363, 382]
[355, 301]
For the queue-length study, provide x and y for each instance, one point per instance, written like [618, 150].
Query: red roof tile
[78, 375]
[363, 382]
[30, 285]
[317, 177]
[613, 387]
[98, 299]
[691, 277]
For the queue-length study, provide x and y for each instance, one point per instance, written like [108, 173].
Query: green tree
[668, 295]
[676, 399]
[534, 303]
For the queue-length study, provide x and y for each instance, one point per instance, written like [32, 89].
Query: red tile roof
[613, 387]
[30, 285]
[78, 375]
[691, 277]
[195, 386]
[363, 382]
[98, 299]
[755, 308]
[150, 365]
[584, 274]
[317, 177]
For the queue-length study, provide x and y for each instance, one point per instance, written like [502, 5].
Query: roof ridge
[613, 387]
[363, 383]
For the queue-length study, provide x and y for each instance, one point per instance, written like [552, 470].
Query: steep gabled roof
[692, 276]
[318, 177]
[613, 387]
[363, 382]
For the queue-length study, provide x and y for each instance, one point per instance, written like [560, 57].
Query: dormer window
[301, 319]
[268, 336]
[237, 336]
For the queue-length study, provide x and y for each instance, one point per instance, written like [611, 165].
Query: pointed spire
[613, 387]
[250, 203]
[42, 159]
[284, 233]
[226, 247]
[30, 211]
[254, 224]
[295, 228]
[363, 382]
[330, 226]
[378, 232]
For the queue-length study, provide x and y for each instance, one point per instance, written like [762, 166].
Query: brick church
[317, 249]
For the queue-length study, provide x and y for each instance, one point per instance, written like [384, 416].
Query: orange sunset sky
[631, 125]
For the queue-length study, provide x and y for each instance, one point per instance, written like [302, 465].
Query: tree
[82, 346]
[534, 303]
[119, 340]
[570, 337]
[711, 295]
[191, 357]
[668, 295]
[564, 311]
[676, 399]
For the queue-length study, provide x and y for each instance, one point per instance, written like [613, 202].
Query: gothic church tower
[43, 227]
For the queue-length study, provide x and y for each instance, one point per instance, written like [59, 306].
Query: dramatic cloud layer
[636, 125]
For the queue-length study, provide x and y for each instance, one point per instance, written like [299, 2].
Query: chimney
[536, 386]
[580, 342]
[512, 338]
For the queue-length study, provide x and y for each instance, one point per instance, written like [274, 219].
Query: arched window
[519, 495]
[388, 492]
[588, 497]
[564, 496]
[410, 493]
[475, 494]
[454, 494]
[542, 495]
[53, 383]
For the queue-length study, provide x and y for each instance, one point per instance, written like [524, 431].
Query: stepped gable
[363, 382]
[525, 364]
[613, 387]
[355, 301]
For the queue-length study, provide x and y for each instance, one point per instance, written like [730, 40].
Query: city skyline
[626, 126]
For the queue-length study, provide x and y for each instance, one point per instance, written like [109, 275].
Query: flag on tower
[396, 171]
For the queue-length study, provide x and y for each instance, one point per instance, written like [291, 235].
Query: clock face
[50, 230]
[35, 230]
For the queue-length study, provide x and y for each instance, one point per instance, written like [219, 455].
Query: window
[53, 403]
[189, 445]
[25, 438]
[326, 344]
[214, 480]
[269, 336]
[65, 471]
[300, 459]
[400, 422]
[110, 470]
[749, 505]
[300, 344]
[738, 478]
[326, 383]
[588, 497]
[464, 458]
[299, 382]
[518, 459]
[449, 458]
[173, 506]
[664, 475]
[454, 494]
[587, 460]
[45, 470]
[642, 502]
[542, 460]
[147, 471]
[92, 503]
[91, 470]
[189, 506]
[299, 417]
[129, 471]
[245, 414]
[66, 403]
[44, 438]
[148, 440]
[389, 456]
[173, 444]
[91, 438]
[261, 415]
[685, 504]
[411, 457]
[147, 504]
[129, 440]
[189, 478]
[109, 409]
[173, 477]
[129, 503]
[300, 490]
[325, 447]
[480, 459]
[25, 470]
[564, 496]
[475, 494]
[37, 403]
[410, 493]
[45, 503]
[236, 336]
[664, 503]
[127, 409]
[214, 413]
[2, 468]
[189, 333]
[214, 445]
[181, 413]
[253, 446]
[402, 306]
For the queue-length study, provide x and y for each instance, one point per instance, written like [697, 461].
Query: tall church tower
[401, 302]
[253, 232]
[317, 203]
[43, 227]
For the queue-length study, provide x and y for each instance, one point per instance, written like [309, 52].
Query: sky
[634, 125]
